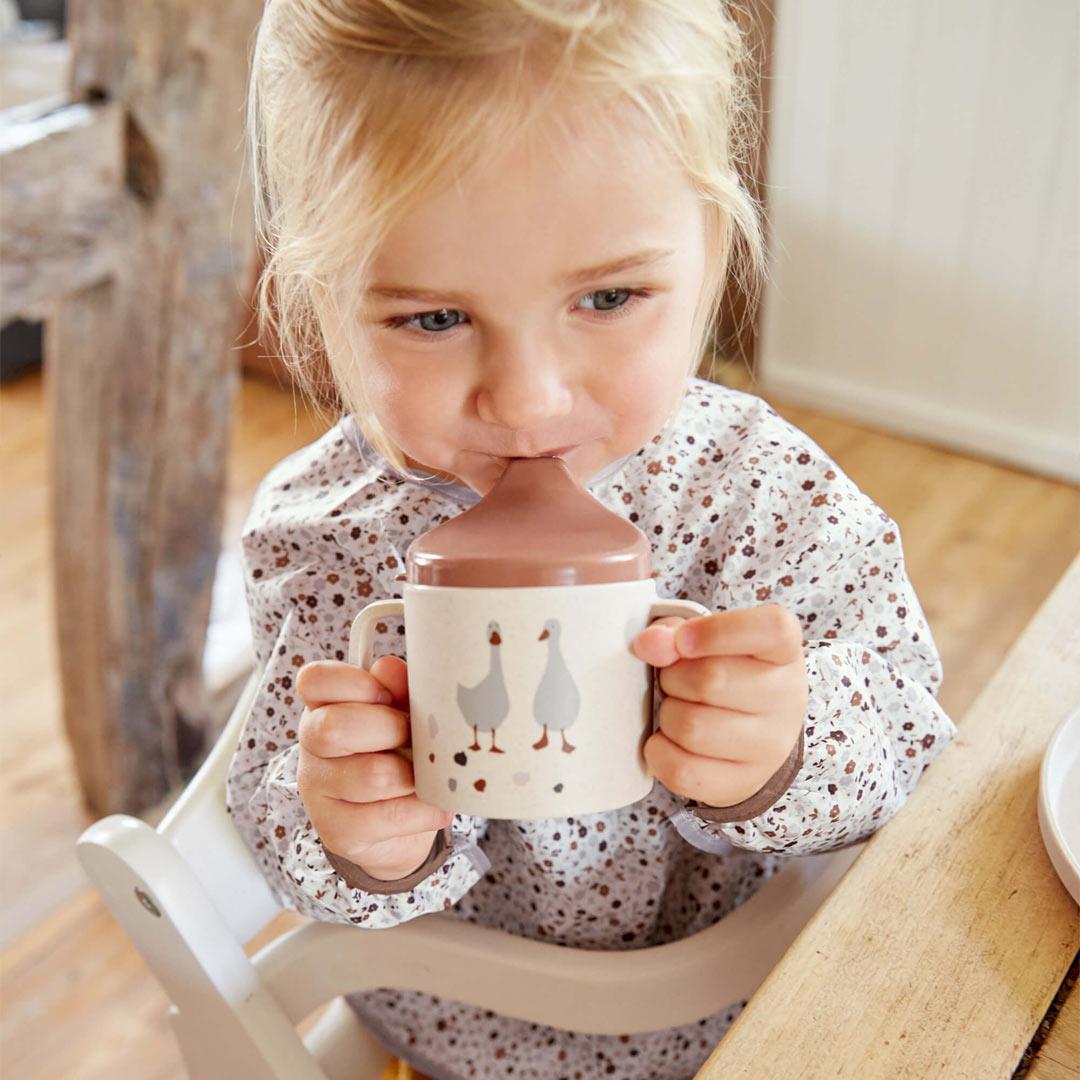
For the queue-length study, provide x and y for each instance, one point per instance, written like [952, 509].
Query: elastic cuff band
[761, 800]
[356, 878]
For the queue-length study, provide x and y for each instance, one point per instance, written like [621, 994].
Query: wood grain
[140, 455]
[943, 946]
[1059, 1057]
[61, 237]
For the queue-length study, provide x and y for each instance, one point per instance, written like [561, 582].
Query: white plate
[1059, 802]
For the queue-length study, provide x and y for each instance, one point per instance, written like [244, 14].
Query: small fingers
[732, 682]
[710, 731]
[322, 682]
[769, 632]
[352, 727]
[360, 778]
[393, 673]
[356, 825]
[656, 643]
[698, 777]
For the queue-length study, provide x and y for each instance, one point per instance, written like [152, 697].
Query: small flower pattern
[741, 508]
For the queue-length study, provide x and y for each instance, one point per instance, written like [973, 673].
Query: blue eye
[608, 299]
[429, 323]
[438, 321]
[607, 304]
[615, 303]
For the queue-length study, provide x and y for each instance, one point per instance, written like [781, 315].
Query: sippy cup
[525, 698]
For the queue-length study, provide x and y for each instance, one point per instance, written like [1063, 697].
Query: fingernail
[385, 697]
[686, 640]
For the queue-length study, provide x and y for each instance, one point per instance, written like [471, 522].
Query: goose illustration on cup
[556, 702]
[557, 698]
[486, 705]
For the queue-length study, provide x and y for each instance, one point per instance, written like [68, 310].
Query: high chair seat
[189, 895]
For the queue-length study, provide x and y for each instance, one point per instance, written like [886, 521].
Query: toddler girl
[505, 227]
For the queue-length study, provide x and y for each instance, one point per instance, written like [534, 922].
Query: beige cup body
[528, 702]
[560, 720]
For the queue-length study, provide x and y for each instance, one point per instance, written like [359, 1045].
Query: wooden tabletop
[941, 949]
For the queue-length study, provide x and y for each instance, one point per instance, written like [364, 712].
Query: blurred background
[919, 174]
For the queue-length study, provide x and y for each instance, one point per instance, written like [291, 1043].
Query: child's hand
[358, 792]
[736, 698]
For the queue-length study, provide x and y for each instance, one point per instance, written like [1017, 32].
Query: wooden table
[942, 948]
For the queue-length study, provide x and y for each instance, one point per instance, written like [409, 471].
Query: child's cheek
[415, 407]
[645, 392]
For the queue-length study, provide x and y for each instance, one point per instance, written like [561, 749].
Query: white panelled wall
[923, 195]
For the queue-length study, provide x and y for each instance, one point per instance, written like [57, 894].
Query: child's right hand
[359, 793]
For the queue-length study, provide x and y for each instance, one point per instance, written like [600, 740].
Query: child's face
[505, 355]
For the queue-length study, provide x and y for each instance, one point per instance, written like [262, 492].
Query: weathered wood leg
[143, 371]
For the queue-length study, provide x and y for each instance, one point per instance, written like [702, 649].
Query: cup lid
[536, 526]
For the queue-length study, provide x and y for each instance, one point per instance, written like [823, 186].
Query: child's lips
[557, 452]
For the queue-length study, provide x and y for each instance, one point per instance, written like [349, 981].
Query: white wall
[923, 196]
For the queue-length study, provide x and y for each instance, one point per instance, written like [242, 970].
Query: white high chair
[189, 895]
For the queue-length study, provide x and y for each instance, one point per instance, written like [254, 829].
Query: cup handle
[658, 610]
[362, 634]
[689, 608]
[362, 641]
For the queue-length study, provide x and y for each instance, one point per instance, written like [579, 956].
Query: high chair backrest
[199, 827]
[189, 896]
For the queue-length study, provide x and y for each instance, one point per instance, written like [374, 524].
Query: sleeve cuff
[761, 800]
[356, 878]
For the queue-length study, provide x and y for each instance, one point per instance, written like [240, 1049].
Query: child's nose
[523, 395]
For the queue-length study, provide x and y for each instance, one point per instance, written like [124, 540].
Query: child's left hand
[736, 696]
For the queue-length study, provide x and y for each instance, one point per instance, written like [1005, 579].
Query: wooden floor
[984, 545]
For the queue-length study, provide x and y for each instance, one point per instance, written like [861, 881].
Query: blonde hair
[338, 154]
